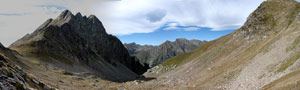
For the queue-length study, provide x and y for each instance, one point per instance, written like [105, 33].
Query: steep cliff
[72, 40]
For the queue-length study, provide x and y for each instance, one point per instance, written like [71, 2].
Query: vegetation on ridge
[294, 45]
[289, 62]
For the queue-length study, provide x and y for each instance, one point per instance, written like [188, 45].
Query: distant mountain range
[154, 55]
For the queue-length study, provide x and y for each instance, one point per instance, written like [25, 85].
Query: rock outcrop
[1, 46]
[154, 55]
[12, 77]
[82, 40]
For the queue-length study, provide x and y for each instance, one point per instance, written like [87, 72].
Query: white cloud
[125, 16]
[172, 26]
[132, 16]
[191, 29]
[178, 27]
[156, 15]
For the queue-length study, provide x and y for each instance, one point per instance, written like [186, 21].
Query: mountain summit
[83, 45]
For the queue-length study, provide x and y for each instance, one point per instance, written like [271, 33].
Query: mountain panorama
[74, 52]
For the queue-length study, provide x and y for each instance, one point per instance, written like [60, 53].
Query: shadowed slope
[80, 44]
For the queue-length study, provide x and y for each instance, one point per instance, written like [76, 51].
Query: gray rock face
[134, 48]
[154, 55]
[14, 78]
[83, 40]
[1, 46]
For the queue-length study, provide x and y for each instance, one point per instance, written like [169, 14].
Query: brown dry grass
[287, 82]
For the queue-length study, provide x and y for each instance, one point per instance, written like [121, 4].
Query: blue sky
[140, 21]
[162, 34]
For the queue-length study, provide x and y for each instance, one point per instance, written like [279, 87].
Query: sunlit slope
[264, 50]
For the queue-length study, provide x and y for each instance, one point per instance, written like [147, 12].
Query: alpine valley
[74, 52]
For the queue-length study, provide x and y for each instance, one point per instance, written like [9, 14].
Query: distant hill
[154, 55]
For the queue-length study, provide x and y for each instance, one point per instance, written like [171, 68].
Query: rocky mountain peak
[78, 14]
[94, 19]
[45, 24]
[82, 40]
[133, 44]
[269, 16]
[65, 14]
[181, 40]
[92, 23]
[166, 42]
[87, 27]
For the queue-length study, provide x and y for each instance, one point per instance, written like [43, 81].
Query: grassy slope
[193, 54]
[229, 54]
[287, 82]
